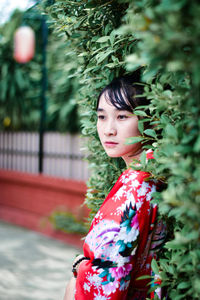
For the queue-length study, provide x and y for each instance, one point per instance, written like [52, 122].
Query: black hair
[125, 93]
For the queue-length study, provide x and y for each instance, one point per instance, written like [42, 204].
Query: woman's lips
[110, 144]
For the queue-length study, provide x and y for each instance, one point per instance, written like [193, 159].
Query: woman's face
[114, 126]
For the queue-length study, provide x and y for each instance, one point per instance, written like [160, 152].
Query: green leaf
[141, 126]
[150, 132]
[174, 245]
[140, 113]
[103, 39]
[100, 57]
[154, 266]
[143, 159]
[111, 65]
[164, 119]
[143, 277]
[171, 131]
[133, 140]
[197, 145]
[112, 38]
[184, 285]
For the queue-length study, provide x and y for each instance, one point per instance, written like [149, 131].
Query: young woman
[125, 234]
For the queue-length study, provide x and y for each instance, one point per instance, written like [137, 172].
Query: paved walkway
[32, 266]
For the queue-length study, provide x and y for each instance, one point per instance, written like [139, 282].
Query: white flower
[153, 190]
[94, 280]
[119, 193]
[99, 215]
[139, 204]
[135, 183]
[133, 176]
[127, 237]
[124, 179]
[129, 177]
[132, 235]
[122, 260]
[110, 287]
[143, 189]
[131, 197]
[99, 297]
[86, 287]
[113, 252]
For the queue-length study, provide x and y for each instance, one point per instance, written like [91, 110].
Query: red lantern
[24, 44]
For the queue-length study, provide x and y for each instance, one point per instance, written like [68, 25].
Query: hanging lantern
[24, 44]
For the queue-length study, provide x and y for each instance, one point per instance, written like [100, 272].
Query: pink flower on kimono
[135, 222]
[120, 272]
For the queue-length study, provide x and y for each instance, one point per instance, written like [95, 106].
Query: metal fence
[62, 155]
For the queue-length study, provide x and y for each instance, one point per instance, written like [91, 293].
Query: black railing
[61, 154]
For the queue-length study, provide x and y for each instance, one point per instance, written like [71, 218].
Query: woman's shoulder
[134, 179]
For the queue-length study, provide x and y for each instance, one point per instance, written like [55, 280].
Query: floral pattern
[123, 239]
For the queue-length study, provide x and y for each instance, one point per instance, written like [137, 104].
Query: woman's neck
[128, 160]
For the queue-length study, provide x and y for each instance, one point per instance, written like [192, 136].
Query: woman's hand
[70, 289]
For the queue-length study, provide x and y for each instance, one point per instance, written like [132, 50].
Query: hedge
[110, 38]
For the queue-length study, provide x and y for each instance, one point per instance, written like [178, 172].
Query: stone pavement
[33, 266]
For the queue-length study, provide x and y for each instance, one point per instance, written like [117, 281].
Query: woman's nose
[110, 129]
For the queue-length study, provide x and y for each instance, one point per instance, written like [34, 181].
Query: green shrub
[110, 38]
[67, 222]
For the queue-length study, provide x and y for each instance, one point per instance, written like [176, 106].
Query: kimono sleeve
[111, 246]
[107, 274]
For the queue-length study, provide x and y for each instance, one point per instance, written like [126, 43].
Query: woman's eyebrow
[116, 109]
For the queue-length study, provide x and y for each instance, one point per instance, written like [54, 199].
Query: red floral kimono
[123, 238]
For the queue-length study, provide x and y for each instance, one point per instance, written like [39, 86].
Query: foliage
[67, 222]
[16, 96]
[110, 38]
[62, 112]
[20, 84]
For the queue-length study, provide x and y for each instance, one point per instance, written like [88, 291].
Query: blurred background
[42, 169]
[73, 49]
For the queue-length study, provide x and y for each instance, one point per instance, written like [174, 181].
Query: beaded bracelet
[74, 271]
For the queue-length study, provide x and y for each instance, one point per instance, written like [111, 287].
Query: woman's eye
[122, 117]
[101, 117]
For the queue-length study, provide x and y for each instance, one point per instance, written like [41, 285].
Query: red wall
[27, 200]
